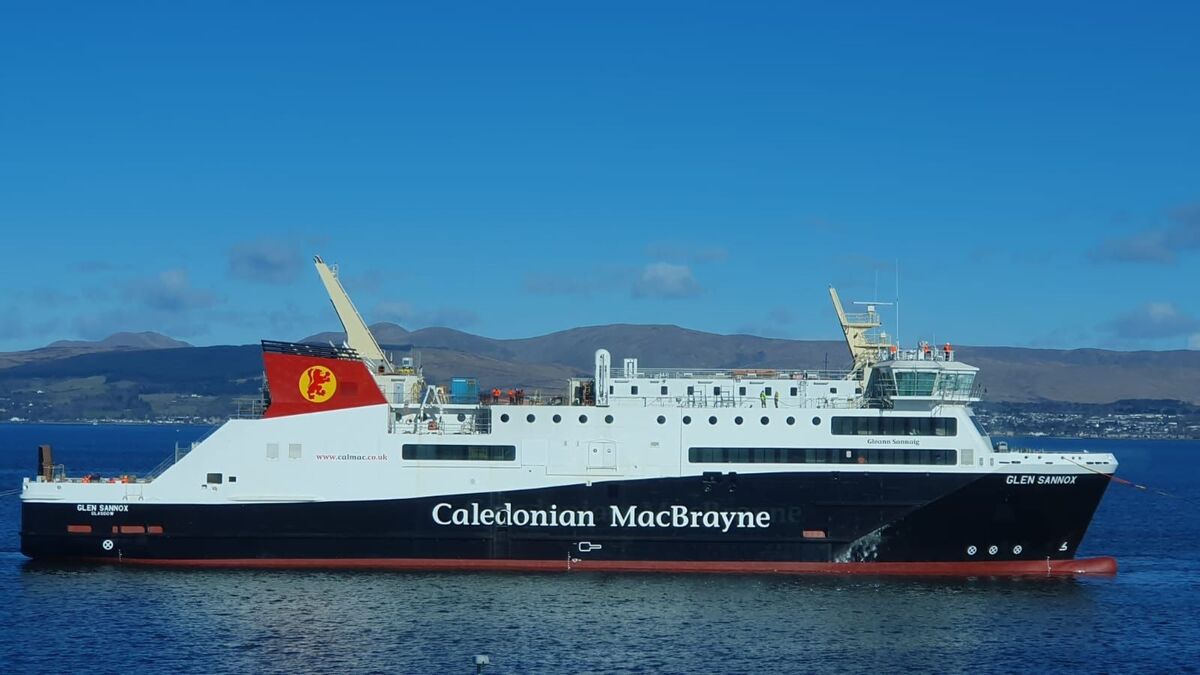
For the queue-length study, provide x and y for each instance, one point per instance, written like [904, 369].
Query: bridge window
[915, 382]
[472, 453]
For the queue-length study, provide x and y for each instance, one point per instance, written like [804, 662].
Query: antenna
[898, 340]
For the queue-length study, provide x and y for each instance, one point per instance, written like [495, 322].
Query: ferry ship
[357, 462]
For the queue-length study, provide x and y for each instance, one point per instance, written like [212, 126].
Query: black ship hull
[871, 522]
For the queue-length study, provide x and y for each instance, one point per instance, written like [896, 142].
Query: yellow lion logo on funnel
[317, 384]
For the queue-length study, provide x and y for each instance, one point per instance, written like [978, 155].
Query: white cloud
[666, 280]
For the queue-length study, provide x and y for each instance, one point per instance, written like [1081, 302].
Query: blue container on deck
[464, 390]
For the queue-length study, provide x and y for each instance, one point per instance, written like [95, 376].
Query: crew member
[762, 396]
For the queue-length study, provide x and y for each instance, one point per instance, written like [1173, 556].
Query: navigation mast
[866, 343]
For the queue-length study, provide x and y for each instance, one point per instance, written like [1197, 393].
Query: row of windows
[508, 453]
[475, 453]
[841, 426]
[691, 390]
[894, 426]
[821, 456]
[662, 419]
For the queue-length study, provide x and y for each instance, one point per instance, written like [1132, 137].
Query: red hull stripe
[1097, 566]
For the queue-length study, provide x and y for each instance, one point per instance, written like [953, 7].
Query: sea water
[108, 619]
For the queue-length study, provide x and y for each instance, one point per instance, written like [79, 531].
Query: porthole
[737, 420]
[608, 419]
[583, 419]
[529, 418]
[712, 420]
[791, 421]
[662, 420]
[557, 418]
[462, 417]
[504, 417]
[687, 419]
[765, 420]
[816, 421]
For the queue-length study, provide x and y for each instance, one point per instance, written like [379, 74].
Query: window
[662, 391]
[939, 457]
[894, 426]
[608, 419]
[768, 391]
[765, 420]
[716, 391]
[816, 421]
[556, 419]
[504, 417]
[612, 389]
[293, 451]
[583, 419]
[791, 421]
[741, 391]
[794, 391]
[691, 390]
[529, 418]
[833, 390]
[737, 420]
[213, 478]
[480, 453]
[633, 390]
[462, 417]
[687, 419]
[712, 420]
[915, 382]
[662, 420]
[272, 451]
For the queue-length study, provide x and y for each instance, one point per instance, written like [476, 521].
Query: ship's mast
[864, 342]
[358, 336]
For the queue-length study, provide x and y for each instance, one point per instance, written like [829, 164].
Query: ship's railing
[721, 401]
[181, 451]
[644, 373]
[249, 408]
[476, 420]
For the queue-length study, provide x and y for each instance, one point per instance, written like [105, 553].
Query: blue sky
[512, 169]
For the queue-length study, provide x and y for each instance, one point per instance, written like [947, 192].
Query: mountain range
[151, 375]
